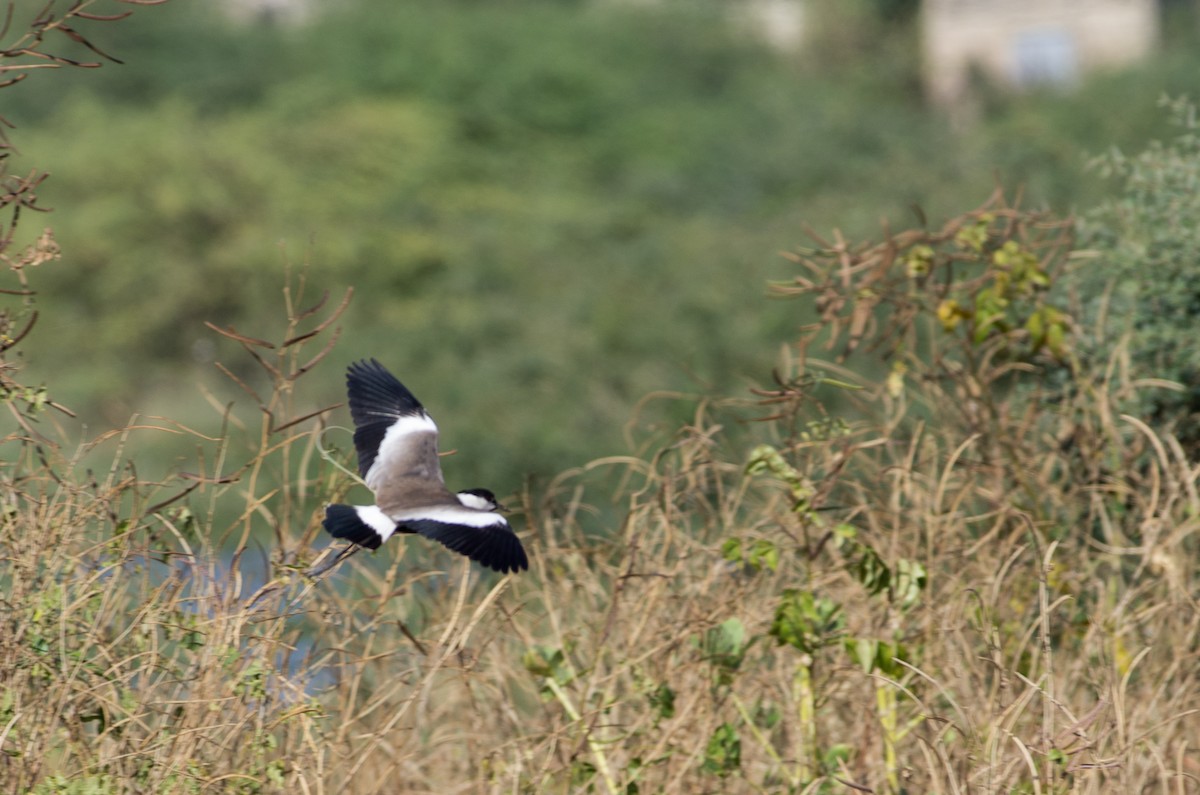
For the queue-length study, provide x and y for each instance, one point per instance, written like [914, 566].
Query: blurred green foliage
[548, 209]
[1140, 278]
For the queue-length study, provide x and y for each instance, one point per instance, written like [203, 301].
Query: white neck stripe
[474, 501]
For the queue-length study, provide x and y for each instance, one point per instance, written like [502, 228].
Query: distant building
[270, 10]
[780, 22]
[1021, 43]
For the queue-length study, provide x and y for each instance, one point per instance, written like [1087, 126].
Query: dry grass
[970, 575]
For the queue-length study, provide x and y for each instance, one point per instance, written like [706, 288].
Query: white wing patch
[377, 520]
[398, 437]
[451, 514]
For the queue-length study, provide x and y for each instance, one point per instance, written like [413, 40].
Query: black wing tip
[367, 367]
[510, 562]
[343, 521]
[513, 558]
[517, 561]
[372, 388]
[371, 372]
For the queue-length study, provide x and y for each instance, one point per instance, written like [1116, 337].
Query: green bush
[1143, 297]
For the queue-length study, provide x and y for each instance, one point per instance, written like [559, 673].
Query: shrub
[1140, 278]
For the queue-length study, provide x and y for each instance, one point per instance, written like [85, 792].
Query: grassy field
[968, 572]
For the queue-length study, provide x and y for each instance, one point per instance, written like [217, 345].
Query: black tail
[343, 521]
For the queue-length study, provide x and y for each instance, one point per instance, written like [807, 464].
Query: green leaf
[919, 260]
[887, 657]
[877, 655]
[767, 716]
[805, 622]
[723, 755]
[548, 663]
[1056, 336]
[663, 701]
[835, 756]
[949, 314]
[764, 554]
[724, 646]
[844, 533]
[731, 550]
[862, 651]
[974, 236]
[192, 639]
[582, 772]
[1036, 329]
[910, 581]
[871, 570]
[765, 459]
[760, 554]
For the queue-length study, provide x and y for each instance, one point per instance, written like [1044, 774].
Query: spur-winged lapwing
[397, 449]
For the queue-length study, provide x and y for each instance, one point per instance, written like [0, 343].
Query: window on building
[1045, 56]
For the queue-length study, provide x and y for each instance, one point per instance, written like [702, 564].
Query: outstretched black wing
[495, 546]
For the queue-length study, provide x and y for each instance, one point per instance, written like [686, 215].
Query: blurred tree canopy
[548, 209]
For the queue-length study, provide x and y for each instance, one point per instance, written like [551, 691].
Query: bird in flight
[397, 447]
